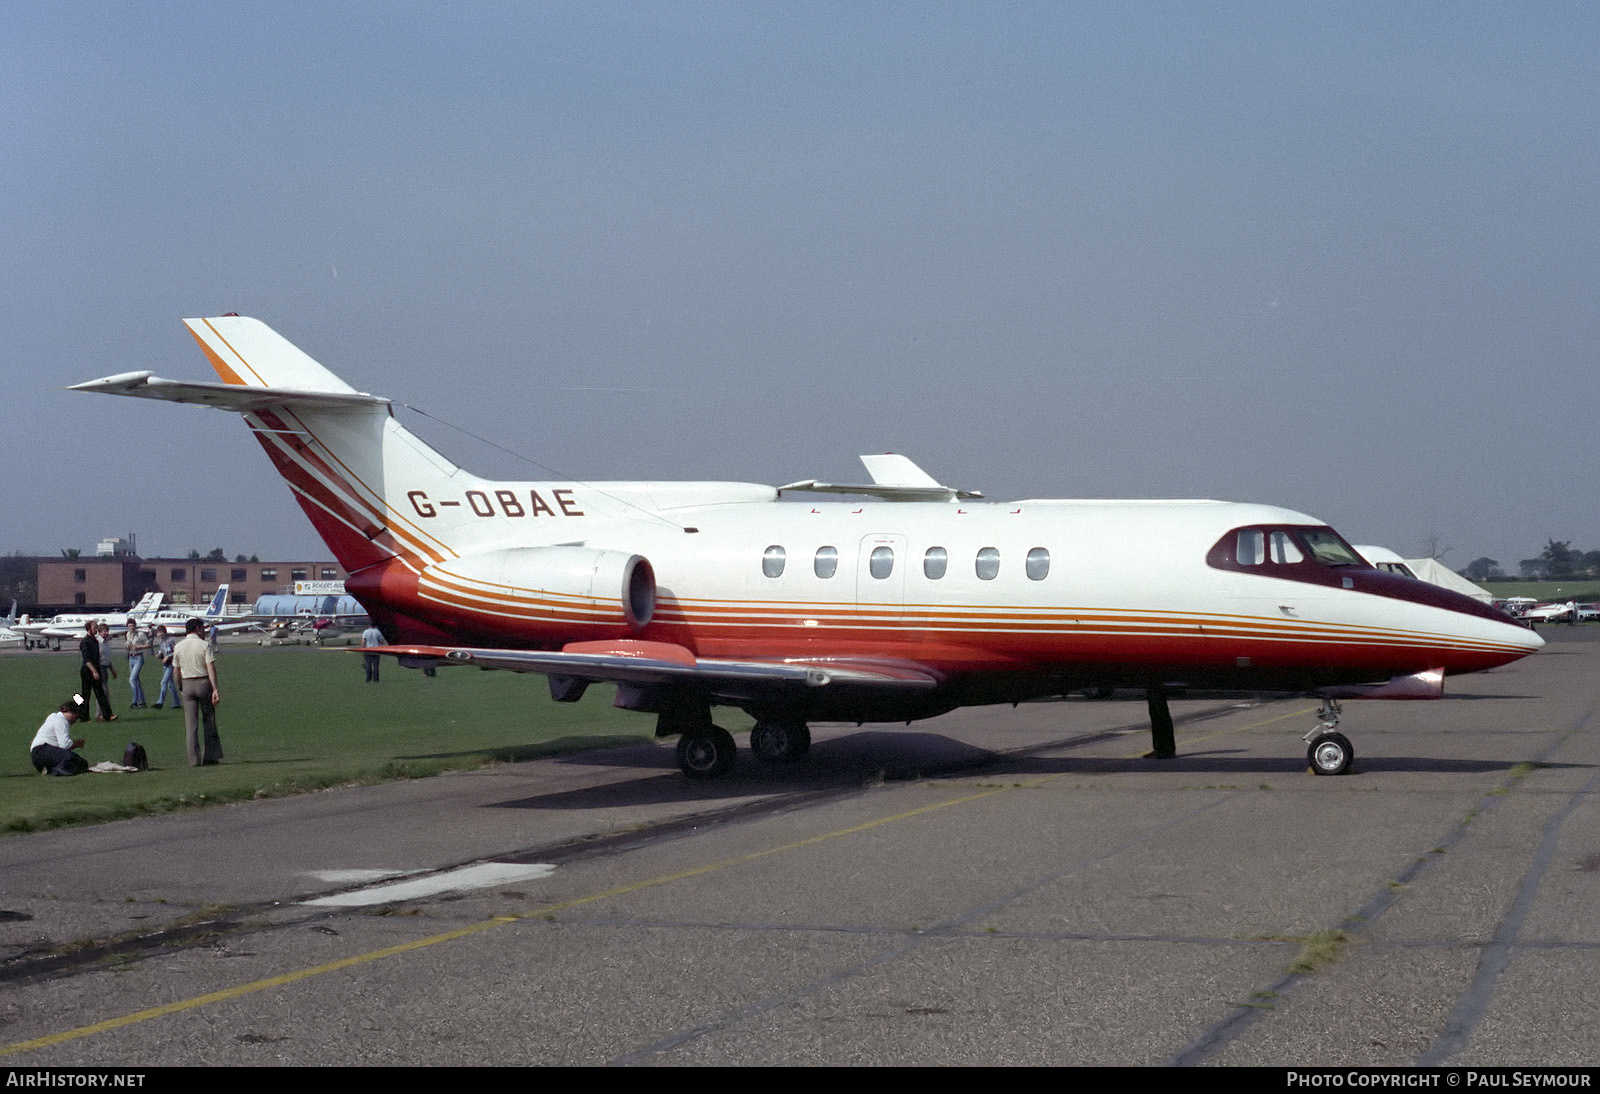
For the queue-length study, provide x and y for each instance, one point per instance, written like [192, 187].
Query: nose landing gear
[1329, 752]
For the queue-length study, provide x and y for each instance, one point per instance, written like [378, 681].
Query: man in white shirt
[52, 748]
[195, 668]
[372, 636]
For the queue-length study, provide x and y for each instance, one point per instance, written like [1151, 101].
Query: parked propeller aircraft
[176, 619]
[692, 595]
[69, 625]
[147, 612]
[7, 635]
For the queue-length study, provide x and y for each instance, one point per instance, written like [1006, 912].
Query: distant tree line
[217, 554]
[1559, 561]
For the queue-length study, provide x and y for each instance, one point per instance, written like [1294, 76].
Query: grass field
[1581, 591]
[291, 720]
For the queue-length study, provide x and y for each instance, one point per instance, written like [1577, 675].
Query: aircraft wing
[640, 662]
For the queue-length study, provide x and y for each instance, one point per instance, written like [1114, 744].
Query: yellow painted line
[463, 932]
[246, 989]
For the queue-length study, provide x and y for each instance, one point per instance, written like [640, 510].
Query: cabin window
[1283, 549]
[826, 564]
[988, 564]
[1251, 550]
[934, 563]
[772, 561]
[881, 563]
[1038, 564]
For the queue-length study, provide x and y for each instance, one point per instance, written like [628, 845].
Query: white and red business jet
[691, 595]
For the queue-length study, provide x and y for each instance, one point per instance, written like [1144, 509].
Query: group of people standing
[188, 674]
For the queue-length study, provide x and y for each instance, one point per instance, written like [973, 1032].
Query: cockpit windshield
[1328, 549]
[1292, 552]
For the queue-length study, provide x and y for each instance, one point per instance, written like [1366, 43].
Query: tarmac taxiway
[996, 886]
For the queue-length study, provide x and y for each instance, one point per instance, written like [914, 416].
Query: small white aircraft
[176, 618]
[70, 625]
[690, 595]
[7, 635]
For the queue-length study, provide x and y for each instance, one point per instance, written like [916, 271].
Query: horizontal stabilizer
[235, 397]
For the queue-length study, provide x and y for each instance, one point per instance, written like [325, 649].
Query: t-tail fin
[214, 609]
[348, 462]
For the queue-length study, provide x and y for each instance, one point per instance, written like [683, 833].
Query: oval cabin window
[826, 564]
[1038, 564]
[772, 561]
[881, 564]
[988, 565]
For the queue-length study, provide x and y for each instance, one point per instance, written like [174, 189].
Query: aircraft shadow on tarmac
[1236, 762]
[1457, 698]
[863, 759]
[838, 763]
[516, 754]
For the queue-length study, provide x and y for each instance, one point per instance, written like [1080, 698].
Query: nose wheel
[1330, 752]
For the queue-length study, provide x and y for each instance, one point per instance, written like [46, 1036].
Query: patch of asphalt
[1470, 1007]
[58, 961]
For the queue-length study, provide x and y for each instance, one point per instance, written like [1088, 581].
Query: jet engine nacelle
[572, 584]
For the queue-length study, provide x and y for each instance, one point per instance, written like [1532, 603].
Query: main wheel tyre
[779, 742]
[707, 754]
[1331, 754]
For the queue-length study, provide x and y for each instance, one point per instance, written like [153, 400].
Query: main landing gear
[1163, 746]
[707, 751]
[779, 741]
[1329, 752]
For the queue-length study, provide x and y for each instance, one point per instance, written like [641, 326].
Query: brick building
[110, 584]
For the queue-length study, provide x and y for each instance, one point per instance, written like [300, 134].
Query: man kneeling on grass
[52, 748]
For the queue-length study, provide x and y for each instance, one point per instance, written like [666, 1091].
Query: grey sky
[1340, 257]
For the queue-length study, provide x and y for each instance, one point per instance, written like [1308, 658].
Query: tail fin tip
[246, 351]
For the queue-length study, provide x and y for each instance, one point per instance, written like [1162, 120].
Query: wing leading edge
[641, 662]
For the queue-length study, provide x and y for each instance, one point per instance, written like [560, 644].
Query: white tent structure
[1434, 572]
